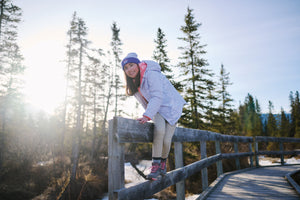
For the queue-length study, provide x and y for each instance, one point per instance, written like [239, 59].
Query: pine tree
[295, 114]
[70, 62]
[107, 77]
[196, 74]
[250, 117]
[271, 123]
[96, 85]
[11, 69]
[10, 15]
[258, 125]
[272, 129]
[160, 53]
[235, 126]
[225, 109]
[211, 118]
[79, 49]
[284, 128]
[117, 52]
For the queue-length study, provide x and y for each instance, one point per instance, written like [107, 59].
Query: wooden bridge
[253, 183]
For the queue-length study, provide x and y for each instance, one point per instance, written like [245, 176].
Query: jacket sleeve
[155, 87]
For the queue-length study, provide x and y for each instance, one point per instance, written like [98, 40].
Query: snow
[266, 161]
[131, 175]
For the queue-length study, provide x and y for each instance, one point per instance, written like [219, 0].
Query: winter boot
[163, 167]
[155, 171]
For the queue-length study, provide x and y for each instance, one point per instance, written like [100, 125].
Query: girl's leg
[158, 136]
[157, 146]
[169, 132]
[166, 147]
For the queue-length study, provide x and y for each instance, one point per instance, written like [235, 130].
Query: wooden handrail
[123, 130]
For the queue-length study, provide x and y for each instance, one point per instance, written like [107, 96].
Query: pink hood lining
[143, 67]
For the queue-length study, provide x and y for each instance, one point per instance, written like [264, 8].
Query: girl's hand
[143, 120]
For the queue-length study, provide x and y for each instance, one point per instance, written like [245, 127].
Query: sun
[45, 72]
[44, 89]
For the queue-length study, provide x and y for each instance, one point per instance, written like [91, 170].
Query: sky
[257, 41]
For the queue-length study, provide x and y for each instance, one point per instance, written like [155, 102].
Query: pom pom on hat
[130, 58]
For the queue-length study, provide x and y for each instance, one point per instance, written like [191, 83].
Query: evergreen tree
[235, 127]
[10, 15]
[11, 70]
[271, 123]
[250, 117]
[107, 77]
[96, 87]
[160, 53]
[258, 129]
[196, 74]
[117, 52]
[160, 56]
[284, 128]
[211, 117]
[295, 115]
[225, 109]
[79, 49]
[70, 62]
[271, 126]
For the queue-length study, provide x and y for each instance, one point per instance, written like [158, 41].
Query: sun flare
[44, 77]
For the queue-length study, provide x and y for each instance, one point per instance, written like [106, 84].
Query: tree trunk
[76, 138]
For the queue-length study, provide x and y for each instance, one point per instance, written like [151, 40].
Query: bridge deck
[258, 183]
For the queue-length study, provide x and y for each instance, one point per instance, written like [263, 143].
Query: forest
[41, 154]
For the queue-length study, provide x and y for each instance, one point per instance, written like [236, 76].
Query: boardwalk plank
[257, 183]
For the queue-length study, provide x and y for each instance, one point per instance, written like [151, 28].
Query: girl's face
[131, 70]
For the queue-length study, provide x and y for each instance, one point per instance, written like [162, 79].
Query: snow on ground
[267, 161]
[131, 175]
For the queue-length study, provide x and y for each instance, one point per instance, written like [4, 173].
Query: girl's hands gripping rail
[144, 119]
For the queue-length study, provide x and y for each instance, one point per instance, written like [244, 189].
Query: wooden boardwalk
[258, 183]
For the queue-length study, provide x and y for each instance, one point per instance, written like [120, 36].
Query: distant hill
[264, 117]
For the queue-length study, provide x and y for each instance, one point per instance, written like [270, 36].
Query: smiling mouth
[132, 73]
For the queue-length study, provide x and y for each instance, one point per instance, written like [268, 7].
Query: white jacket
[161, 95]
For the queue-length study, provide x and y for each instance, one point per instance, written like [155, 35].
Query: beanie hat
[130, 58]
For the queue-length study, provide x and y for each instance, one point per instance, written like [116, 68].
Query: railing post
[256, 153]
[250, 157]
[281, 155]
[219, 163]
[237, 160]
[180, 188]
[204, 170]
[115, 160]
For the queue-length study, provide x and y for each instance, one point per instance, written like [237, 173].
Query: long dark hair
[132, 84]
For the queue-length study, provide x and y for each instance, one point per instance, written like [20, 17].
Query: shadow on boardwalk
[258, 183]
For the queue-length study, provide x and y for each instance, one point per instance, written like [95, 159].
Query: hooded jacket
[160, 94]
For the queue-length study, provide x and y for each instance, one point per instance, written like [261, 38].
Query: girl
[162, 104]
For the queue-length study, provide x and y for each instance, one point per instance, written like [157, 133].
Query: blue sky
[258, 41]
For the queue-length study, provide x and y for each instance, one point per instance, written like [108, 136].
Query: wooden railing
[123, 131]
[281, 152]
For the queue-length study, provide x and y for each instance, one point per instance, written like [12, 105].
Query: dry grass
[46, 182]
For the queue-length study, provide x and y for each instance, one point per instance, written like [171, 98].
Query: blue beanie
[130, 58]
